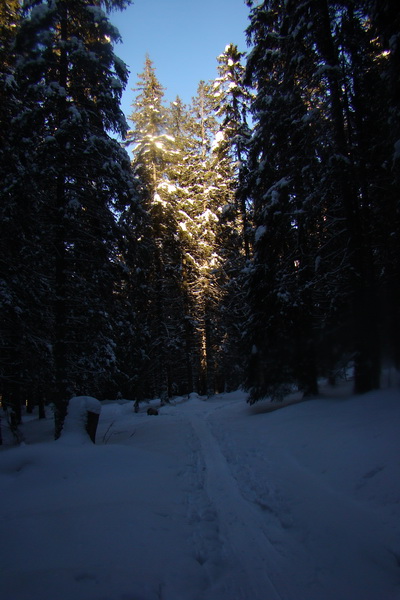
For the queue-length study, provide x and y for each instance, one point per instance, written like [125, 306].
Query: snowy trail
[210, 500]
[246, 553]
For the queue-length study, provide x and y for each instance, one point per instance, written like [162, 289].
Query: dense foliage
[322, 172]
[185, 181]
[249, 238]
[65, 177]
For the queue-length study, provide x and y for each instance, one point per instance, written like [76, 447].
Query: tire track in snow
[246, 551]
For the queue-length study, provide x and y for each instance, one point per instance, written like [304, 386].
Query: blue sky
[183, 39]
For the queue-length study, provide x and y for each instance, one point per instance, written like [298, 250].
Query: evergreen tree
[346, 73]
[210, 242]
[153, 155]
[79, 176]
[184, 188]
[133, 304]
[232, 101]
[182, 175]
[24, 332]
[281, 156]
[385, 25]
[152, 144]
[313, 173]
[232, 104]
[9, 21]
[199, 214]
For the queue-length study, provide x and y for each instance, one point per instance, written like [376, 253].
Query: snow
[74, 431]
[98, 14]
[260, 231]
[209, 500]
[182, 226]
[218, 139]
[158, 200]
[168, 187]
[208, 216]
[39, 13]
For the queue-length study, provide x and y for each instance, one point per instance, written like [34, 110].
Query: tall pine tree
[153, 156]
[79, 176]
[315, 163]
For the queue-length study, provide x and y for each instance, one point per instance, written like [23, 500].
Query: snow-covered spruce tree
[133, 305]
[384, 19]
[181, 175]
[346, 271]
[154, 154]
[199, 209]
[351, 69]
[229, 152]
[9, 361]
[9, 21]
[25, 324]
[69, 84]
[211, 241]
[315, 177]
[283, 168]
[232, 100]
[346, 102]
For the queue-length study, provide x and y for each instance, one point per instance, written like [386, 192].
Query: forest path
[210, 500]
[234, 549]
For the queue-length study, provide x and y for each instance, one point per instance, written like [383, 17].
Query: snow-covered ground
[209, 500]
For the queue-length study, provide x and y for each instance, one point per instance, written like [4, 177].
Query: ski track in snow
[236, 541]
[252, 540]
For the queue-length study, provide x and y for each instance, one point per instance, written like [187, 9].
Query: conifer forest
[251, 238]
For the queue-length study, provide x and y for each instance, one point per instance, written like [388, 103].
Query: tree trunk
[162, 332]
[210, 355]
[60, 309]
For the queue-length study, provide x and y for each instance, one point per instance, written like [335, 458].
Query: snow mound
[74, 430]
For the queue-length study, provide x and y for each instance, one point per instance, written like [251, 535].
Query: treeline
[200, 254]
[63, 181]
[115, 269]
[193, 250]
[323, 172]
